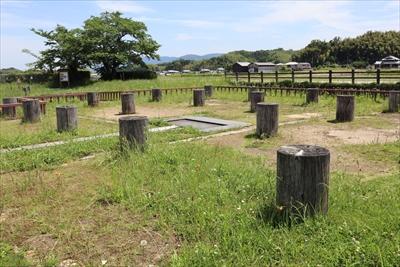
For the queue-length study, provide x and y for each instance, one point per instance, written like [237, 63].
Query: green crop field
[204, 201]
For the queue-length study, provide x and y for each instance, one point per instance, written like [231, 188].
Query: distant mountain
[167, 59]
[9, 70]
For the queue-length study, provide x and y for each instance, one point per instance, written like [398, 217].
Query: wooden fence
[378, 76]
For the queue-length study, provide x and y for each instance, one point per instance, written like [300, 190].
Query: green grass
[8, 257]
[215, 202]
[8, 90]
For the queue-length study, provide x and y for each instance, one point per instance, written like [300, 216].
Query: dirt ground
[331, 136]
[59, 213]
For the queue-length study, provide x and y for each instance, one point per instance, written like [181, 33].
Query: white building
[262, 67]
[387, 63]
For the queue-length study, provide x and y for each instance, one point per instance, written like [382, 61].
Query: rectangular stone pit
[206, 124]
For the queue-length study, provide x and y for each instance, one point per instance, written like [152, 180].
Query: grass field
[209, 202]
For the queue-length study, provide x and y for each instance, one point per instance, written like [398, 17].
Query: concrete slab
[207, 124]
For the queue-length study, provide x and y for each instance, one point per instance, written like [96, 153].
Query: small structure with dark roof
[240, 67]
[388, 63]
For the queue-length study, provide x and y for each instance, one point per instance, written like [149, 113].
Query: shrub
[137, 73]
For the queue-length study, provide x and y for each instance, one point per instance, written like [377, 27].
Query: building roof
[264, 63]
[390, 58]
[243, 64]
[291, 63]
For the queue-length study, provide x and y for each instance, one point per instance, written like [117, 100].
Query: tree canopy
[105, 43]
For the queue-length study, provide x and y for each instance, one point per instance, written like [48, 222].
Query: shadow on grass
[301, 105]
[278, 217]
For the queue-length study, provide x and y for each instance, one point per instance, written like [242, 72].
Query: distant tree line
[359, 52]
[106, 43]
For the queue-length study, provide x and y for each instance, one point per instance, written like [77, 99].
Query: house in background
[240, 67]
[262, 67]
[299, 66]
[388, 63]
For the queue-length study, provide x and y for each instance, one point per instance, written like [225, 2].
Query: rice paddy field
[195, 198]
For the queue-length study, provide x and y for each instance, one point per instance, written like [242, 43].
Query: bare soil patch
[57, 213]
[334, 137]
[303, 116]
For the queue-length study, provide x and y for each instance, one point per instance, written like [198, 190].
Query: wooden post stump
[208, 90]
[156, 94]
[303, 179]
[31, 109]
[255, 97]
[345, 108]
[394, 101]
[10, 112]
[92, 99]
[132, 132]
[312, 95]
[67, 118]
[128, 103]
[267, 119]
[199, 97]
[249, 90]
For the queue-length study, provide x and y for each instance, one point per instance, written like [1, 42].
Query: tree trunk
[249, 90]
[199, 97]
[345, 108]
[67, 118]
[132, 132]
[303, 179]
[267, 120]
[31, 108]
[10, 112]
[92, 99]
[312, 95]
[255, 97]
[128, 103]
[208, 90]
[156, 94]
[394, 101]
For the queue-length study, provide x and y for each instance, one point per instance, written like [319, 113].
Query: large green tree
[115, 42]
[105, 43]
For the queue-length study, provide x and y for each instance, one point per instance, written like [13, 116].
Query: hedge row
[288, 83]
[139, 73]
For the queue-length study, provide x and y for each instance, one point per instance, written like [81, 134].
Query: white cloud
[122, 6]
[9, 20]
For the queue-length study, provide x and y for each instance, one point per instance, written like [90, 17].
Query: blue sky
[201, 27]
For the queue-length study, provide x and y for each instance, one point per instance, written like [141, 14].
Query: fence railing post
[248, 77]
[330, 76]
[353, 76]
[310, 76]
[262, 77]
[237, 76]
[292, 77]
[378, 76]
[276, 76]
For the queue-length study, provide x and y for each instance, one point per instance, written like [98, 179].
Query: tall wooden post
[156, 94]
[132, 132]
[92, 99]
[312, 95]
[262, 77]
[303, 179]
[237, 77]
[9, 112]
[255, 98]
[31, 109]
[248, 77]
[394, 101]
[128, 103]
[310, 76]
[378, 76]
[249, 90]
[292, 77]
[345, 105]
[208, 90]
[67, 119]
[353, 77]
[276, 77]
[267, 119]
[330, 76]
[199, 97]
